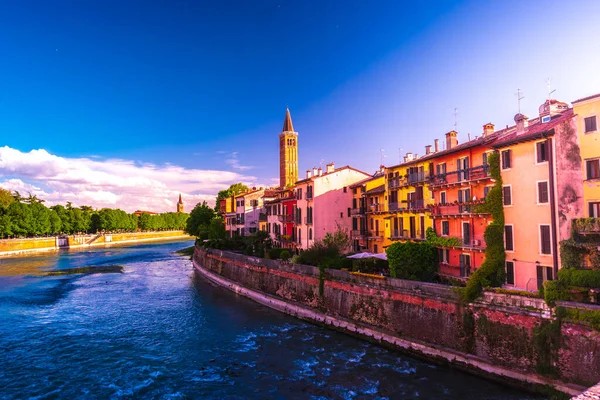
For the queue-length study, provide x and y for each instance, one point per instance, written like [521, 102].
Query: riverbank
[25, 247]
[498, 337]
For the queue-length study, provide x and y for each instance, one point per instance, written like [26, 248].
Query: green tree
[234, 189]
[413, 261]
[6, 198]
[199, 221]
[55, 222]
[21, 218]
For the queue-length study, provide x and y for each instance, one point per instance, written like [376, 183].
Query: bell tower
[180, 205]
[288, 153]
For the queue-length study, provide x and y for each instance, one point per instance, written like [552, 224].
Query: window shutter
[506, 195]
[508, 235]
[510, 272]
[542, 192]
[545, 238]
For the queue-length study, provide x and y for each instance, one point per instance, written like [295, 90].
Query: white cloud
[235, 163]
[112, 183]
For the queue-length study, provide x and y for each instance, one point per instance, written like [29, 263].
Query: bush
[579, 277]
[274, 253]
[285, 255]
[414, 261]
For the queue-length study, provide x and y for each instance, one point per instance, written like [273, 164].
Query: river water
[160, 331]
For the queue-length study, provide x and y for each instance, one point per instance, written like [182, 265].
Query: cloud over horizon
[114, 183]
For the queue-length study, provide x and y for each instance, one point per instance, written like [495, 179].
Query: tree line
[28, 216]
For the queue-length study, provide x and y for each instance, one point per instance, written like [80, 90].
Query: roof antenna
[519, 98]
[455, 119]
[382, 156]
[549, 91]
[399, 155]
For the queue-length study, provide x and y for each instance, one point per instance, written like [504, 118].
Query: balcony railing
[455, 209]
[262, 217]
[587, 226]
[377, 207]
[356, 234]
[460, 176]
[398, 234]
[308, 221]
[358, 211]
[416, 204]
[309, 196]
[285, 218]
[376, 235]
[396, 183]
[416, 177]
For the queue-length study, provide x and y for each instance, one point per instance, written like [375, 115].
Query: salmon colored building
[280, 219]
[542, 192]
[587, 112]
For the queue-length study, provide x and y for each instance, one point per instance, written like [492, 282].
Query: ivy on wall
[414, 261]
[491, 272]
[439, 241]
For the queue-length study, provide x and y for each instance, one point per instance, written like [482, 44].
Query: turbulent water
[158, 330]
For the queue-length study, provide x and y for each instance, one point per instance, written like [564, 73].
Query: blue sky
[159, 98]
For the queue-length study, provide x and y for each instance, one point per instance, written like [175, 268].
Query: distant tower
[288, 152]
[180, 205]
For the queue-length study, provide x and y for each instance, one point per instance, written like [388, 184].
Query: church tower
[180, 205]
[288, 153]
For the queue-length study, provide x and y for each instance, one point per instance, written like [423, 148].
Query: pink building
[541, 171]
[323, 202]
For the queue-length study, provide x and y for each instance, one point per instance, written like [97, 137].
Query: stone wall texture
[495, 334]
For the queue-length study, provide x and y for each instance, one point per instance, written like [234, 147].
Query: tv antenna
[455, 119]
[549, 89]
[382, 156]
[519, 98]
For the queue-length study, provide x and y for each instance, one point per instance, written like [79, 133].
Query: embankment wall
[16, 247]
[507, 336]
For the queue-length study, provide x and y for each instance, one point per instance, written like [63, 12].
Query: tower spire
[287, 122]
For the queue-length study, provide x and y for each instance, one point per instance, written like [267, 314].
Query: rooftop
[586, 98]
[536, 130]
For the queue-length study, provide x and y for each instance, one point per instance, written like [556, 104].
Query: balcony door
[466, 233]
[413, 230]
[465, 265]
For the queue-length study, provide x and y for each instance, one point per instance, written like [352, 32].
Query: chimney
[409, 157]
[315, 172]
[320, 171]
[330, 167]
[308, 173]
[428, 149]
[382, 168]
[436, 145]
[451, 140]
[488, 129]
[522, 123]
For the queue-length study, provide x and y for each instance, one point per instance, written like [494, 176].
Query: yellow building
[370, 229]
[408, 197]
[587, 112]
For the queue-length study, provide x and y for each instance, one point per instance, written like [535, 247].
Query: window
[444, 255]
[299, 194]
[508, 238]
[506, 195]
[445, 228]
[506, 159]
[486, 191]
[440, 169]
[349, 211]
[443, 197]
[542, 188]
[510, 273]
[590, 124]
[594, 210]
[545, 244]
[345, 189]
[310, 234]
[299, 236]
[593, 169]
[541, 149]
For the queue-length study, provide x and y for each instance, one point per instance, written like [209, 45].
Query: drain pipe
[551, 183]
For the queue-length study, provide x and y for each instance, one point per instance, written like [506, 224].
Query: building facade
[366, 201]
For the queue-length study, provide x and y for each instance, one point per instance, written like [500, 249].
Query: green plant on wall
[414, 261]
[439, 241]
[491, 272]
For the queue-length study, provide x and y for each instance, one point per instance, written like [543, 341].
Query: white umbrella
[362, 255]
[381, 256]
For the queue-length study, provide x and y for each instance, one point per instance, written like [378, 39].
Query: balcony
[359, 234]
[375, 235]
[586, 226]
[397, 183]
[285, 218]
[457, 178]
[377, 207]
[358, 211]
[309, 196]
[416, 177]
[262, 217]
[416, 204]
[456, 210]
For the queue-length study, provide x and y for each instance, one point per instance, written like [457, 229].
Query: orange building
[460, 182]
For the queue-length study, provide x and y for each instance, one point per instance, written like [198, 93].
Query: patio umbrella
[362, 255]
[381, 256]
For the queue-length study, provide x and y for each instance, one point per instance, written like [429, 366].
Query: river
[158, 330]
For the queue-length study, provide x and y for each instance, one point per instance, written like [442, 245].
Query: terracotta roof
[376, 190]
[328, 173]
[536, 130]
[287, 122]
[586, 98]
